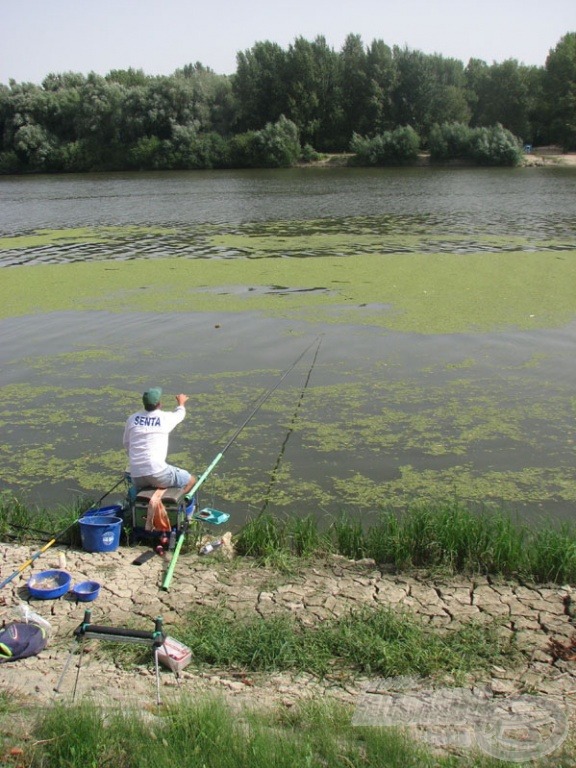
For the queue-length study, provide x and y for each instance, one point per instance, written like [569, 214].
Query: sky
[40, 37]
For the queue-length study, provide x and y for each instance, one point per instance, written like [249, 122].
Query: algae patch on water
[403, 273]
[430, 293]
[362, 439]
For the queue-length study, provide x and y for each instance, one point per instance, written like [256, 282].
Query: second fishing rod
[259, 403]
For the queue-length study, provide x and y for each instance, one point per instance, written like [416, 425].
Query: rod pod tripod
[86, 631]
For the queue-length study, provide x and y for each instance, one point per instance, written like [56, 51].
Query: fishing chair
[177, 506]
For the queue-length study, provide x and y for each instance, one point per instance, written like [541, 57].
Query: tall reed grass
[446, 536]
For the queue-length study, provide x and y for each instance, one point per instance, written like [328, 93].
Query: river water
[378, 418]
[526, 200]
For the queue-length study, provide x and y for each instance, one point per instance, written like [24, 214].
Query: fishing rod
[259, 403]
[57, 536]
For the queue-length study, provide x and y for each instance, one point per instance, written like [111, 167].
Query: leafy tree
[9, 162]
[277, 145]
[450, 141]
[63, 81]
[474, 75]
[354, 88]
[429, 90]
[311, 78]
[6, 114]
[503, 96]
[198, 119]
[389, 148]
[539, 130]
[215, 93]
[485, 146]
[149, 153]
[495, 146]
[129, 78]
[242, 150]
[99, 117]
[560, 91]
[18, 108]
[35, 147]
[382, 77]
[57, 111]
[259, 85]
[449, 103]
[190, 150]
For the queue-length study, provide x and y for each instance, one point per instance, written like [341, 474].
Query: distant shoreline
[538, 157]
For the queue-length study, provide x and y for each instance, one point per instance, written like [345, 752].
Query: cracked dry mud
[132, 596]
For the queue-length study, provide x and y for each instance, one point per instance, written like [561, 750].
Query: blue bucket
[115, 510]
[100, 533]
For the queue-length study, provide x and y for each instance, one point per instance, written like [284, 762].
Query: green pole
[182, 533]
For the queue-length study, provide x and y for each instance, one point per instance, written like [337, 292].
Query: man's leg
[190, 485]
[183, 479]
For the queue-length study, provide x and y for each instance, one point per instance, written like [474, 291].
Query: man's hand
[181, 399]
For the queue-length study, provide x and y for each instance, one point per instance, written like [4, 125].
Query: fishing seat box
[174, 501]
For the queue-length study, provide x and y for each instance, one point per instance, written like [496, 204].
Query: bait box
[174, 655]
[209, 515]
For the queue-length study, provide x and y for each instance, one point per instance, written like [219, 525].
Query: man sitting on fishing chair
[146, 442]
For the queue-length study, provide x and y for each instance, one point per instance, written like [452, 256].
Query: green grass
[24, 523]
[442, 536]
[438, 536]
[378, 641]
[375, 641]
[207, 733]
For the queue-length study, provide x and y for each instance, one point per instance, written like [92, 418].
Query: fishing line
[274, 473]
[259, 403]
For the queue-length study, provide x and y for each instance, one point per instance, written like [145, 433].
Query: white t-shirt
[146, 439]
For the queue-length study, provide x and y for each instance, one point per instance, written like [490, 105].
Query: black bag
[19, 640]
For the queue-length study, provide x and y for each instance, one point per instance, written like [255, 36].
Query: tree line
[287, 105]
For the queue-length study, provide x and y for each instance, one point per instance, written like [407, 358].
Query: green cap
[152, 396]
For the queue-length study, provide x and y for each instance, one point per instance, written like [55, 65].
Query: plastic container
[48, 585]
[209, 515]
[114, 510]
[100, 533]
[86, 591]
[174, 655]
